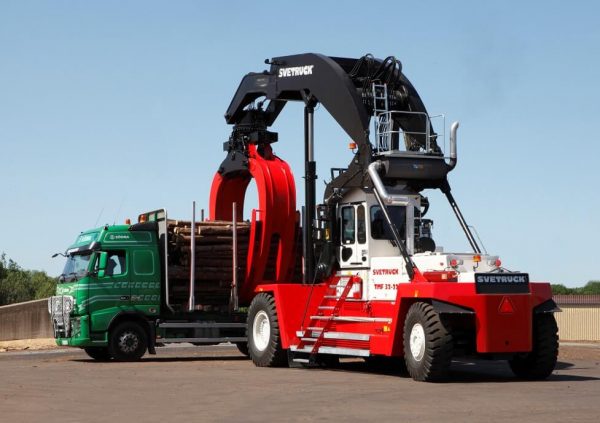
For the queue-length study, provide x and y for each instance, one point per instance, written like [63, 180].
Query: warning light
[498, 262]
[476, 258]
[506, 306]
[142, 218]
[128, 221]
[352, 145]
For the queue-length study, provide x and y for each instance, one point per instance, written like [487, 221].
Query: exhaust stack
[453, 154]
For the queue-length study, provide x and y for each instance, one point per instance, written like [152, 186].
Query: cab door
[110, 293]
[353, 251]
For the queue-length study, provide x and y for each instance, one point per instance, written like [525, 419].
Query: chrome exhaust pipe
[453, 154]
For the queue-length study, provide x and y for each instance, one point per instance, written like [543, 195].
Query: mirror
[102, 261]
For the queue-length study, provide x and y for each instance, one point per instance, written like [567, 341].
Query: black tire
[98, 353]
[243, 348]
[264, 341]
[428, 358]
[128, 342]
[541, 361]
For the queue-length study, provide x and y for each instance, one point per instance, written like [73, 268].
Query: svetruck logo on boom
[296, 71]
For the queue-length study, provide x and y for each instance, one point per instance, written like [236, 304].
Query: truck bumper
[80, 335]
[503, 323]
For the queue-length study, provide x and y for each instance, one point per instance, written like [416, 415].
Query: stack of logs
[213, 259]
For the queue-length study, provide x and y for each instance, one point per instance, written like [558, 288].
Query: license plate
[502, 283]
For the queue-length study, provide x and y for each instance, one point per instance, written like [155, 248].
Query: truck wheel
[98, 353]
[264, 342]
[427, 344]
[128, 342]
[540, 362]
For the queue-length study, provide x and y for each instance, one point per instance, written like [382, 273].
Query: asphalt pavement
[217, 383]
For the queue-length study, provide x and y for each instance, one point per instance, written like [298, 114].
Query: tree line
[590, 288]
[18, 285]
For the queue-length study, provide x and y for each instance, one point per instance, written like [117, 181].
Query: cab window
[379, 227]
[116, 264]
[361, 226]
[348, 228]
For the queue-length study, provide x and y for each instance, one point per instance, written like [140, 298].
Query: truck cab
[110, 272]
[114, 299]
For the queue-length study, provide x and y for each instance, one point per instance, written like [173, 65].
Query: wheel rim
[261, 331]
[128, 342]
[417, 341]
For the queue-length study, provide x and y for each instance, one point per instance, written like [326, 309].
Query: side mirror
[102, 261]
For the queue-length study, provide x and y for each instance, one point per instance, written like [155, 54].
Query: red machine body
[402, 299]
[496, 331]
[498, 328]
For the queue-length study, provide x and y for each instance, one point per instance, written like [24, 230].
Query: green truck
[114, 297]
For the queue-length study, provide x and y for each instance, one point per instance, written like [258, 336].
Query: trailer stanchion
[234, 283]
[192, 300]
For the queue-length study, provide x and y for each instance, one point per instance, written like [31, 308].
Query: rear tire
[128, 342]
[264, 341]
[98, 353]
[540, 362]
[428, 344]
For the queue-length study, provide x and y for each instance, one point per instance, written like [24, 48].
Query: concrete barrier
[25, 321]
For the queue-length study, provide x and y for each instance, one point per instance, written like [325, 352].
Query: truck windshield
[75, 267]
[379, 227]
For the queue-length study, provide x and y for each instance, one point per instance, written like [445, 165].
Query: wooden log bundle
[213, 260]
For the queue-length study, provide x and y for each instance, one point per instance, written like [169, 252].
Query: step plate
[351, 352]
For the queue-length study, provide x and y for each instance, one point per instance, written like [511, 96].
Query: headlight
[60, 304]
[67, 304]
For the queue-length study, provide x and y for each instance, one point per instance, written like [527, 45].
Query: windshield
[75, 267]
[379, 227]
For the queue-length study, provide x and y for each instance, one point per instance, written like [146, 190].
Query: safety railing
[390, 137]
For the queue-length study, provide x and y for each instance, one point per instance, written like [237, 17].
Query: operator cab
[366, 245]
[364, 233]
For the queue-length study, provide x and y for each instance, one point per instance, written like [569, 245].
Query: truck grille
[60, 307]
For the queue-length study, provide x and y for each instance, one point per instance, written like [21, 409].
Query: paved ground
[218, 384]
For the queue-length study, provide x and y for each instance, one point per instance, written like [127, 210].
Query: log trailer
[372, 282]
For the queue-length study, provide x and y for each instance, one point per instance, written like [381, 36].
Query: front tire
[264, 340]
[540, 362]
[428, 344]
[128, 342]
[98, 353]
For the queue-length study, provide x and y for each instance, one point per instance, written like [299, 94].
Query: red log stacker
[373, 282]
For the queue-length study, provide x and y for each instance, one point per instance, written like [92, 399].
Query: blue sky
[111, 108]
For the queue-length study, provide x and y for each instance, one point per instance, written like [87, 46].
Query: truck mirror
[102, 261]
